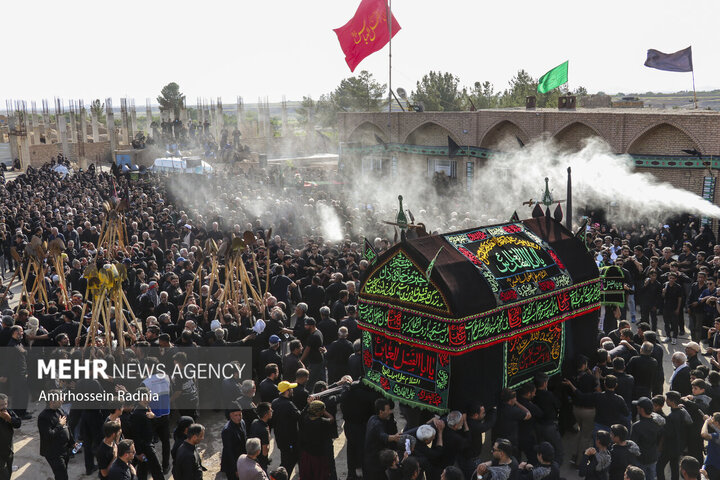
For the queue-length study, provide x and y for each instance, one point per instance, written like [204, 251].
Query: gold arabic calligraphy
[367, 32]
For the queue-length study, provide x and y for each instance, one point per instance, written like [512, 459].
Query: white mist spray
[600, 179]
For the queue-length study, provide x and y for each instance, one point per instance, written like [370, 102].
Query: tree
[483, 95]
[98, 108]
[438, 92]
[306, 112]
[580, 91]
[361, 93]
[171, 99]
[311, 113]
[521, 85]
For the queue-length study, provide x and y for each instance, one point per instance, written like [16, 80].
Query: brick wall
[619, 128]
[572, 138]
[94, 152]
[502, 134]
[662, 138]
[638, 131]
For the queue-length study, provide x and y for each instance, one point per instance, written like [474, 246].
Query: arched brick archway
[365, 134]
[503, 135]
[663, 137]
[430, 133]
[572, 137]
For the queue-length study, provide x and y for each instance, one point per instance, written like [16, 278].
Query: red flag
[366, 33]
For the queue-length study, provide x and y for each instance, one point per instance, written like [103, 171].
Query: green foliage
[483, 95]
[361, 93]
[321, 113]
[171, 99]
[439, 92]
[523, 85]
[98, 108]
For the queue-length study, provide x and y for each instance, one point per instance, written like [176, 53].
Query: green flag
[432, 264]
[554, 78]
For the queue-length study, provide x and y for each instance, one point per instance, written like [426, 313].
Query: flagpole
[389, 22]
[694, 94]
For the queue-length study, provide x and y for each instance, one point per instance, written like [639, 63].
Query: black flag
[680, 61]
[380, 142]
[453, 148]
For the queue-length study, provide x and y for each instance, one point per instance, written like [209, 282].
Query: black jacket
[120, 470]
[285, 421]
[646, 433]
[267, 390]
[55, 439]
[7, 430]
[643, 368]
[681, 381]
[675, 432]
[233, 439]
[141, 429]
[187, 464]
[550, 406]
[267, 357]
[610, 407]
[622, 456]
[338, 353]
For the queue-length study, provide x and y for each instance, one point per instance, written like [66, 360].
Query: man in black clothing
[527, 428]
[234, 436]
[355, 365]
[680, 379]
[141, 431]
[314, 296]
[338, 353]
[622, 453]
[625, 382]
[106, 452]
[300, 392]
[122, 468]
[271, 355]
[672, 300]
[267, 389]
[479, 421]
[647, 434]
[547, 422]
[260, 429]
[357, 407]
[674, 437]
[9, 422]
[658, 353]
[56, 440]
[697, 308]
[285, 425]
[188, 464]
[610, 408]
[314, 352]
[510, 414]
[643, 369]
[350, 322]
[328, 326]
[650, 296]
[381, 433]
[338, 308]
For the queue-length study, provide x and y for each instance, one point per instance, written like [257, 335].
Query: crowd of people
[306, 383]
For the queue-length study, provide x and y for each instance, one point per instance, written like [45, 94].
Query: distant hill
[678, 100]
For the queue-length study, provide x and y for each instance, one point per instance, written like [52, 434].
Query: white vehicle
[181, 165]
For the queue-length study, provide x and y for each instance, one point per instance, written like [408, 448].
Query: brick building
[417, 142]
